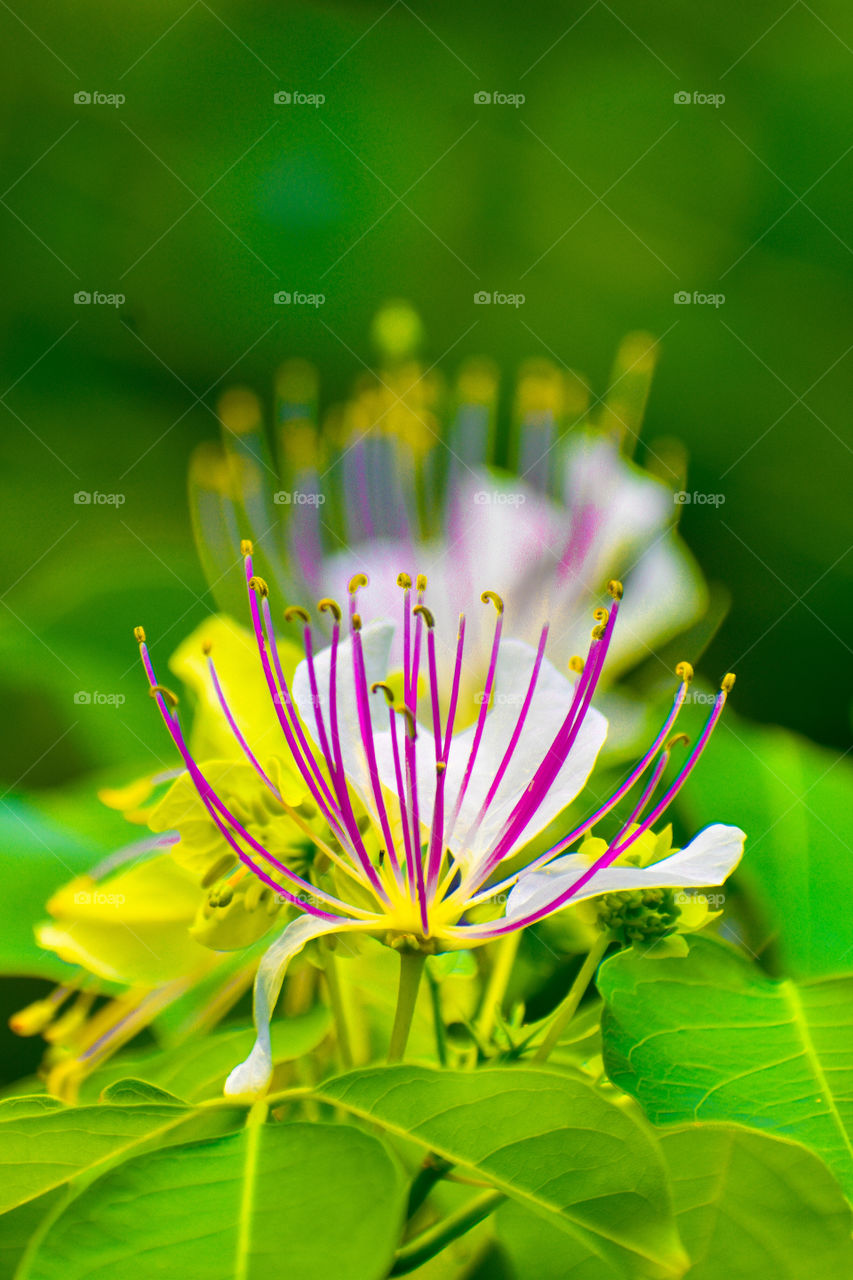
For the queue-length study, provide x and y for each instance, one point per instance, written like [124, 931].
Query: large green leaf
[298, 1200]
[550, 1142]
[746, 1204]
[198, 1068]
[44, 1143]
[751, 1205]
[788, 795]
[710, 1037]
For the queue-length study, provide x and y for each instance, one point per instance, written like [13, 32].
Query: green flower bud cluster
[638, 915]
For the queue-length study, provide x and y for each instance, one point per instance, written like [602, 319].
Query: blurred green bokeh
[599, 199]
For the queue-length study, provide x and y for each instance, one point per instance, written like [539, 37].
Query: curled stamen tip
[259, 585]
[328, 605]
[206, 647]
[615, 588]
[139, 634]
[246, 547]
[386, 689]
[404, 581]
[166, 694]
[598, 632]
[425, 613]
[410, 721]
[296, 611]
[492, 597]
[421, 582]
[601, 616]
[684, 671]
[727, 682]
[576, 664]
[356, 581]
[676, 739]
[356, 622]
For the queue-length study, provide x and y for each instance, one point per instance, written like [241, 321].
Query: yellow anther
[206, 647]
[425, 613]
[597, 633]
[386, 689]
[32, 1020]
[440, 766]
[356, 622]
[577, 665]
[246, 547]
[356, 581]
[222, 866]
[676, 739]
[492, 597]
[404, 581]
[165, 693]
[296, 611]
[727, 682]
[421, 582]
[684, 671]
[614, 588]
[139, 634]
[327, 605]
[259, 585]
[601, 616]
[410, 721]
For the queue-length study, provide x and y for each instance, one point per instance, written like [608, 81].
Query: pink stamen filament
[362, 700]
[235, 729]
[558, 752]
[481, 721]
[614, 851]
[513, 742]
[454, 691]
[567, 841]
[219, 811]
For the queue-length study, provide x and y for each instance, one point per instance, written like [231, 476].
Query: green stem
[566, 1010]
[431, 1172]
[505, 954]
[440, 1036]
[336, 999]
[411, 968]
[434, 1239]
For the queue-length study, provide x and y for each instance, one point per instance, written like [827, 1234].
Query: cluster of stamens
[418, 884]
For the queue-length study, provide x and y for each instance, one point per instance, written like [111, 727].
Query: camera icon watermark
[87, 698]
[496, 497]
[97, 99]
[83, 298]
[284, 298]
[298, 497]
[98, 898]
[715, 901]
[295, 98]
[483, 298]
[83, 498]
[685, 299]
[497, 99]
[696, 98]
[681, 497]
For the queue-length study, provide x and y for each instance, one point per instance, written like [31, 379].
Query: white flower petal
[709, 859]
[251, 1078]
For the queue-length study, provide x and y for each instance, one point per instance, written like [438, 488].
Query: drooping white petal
[708, 859]
[376, 645]
[251, 1078]
[551, 700]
